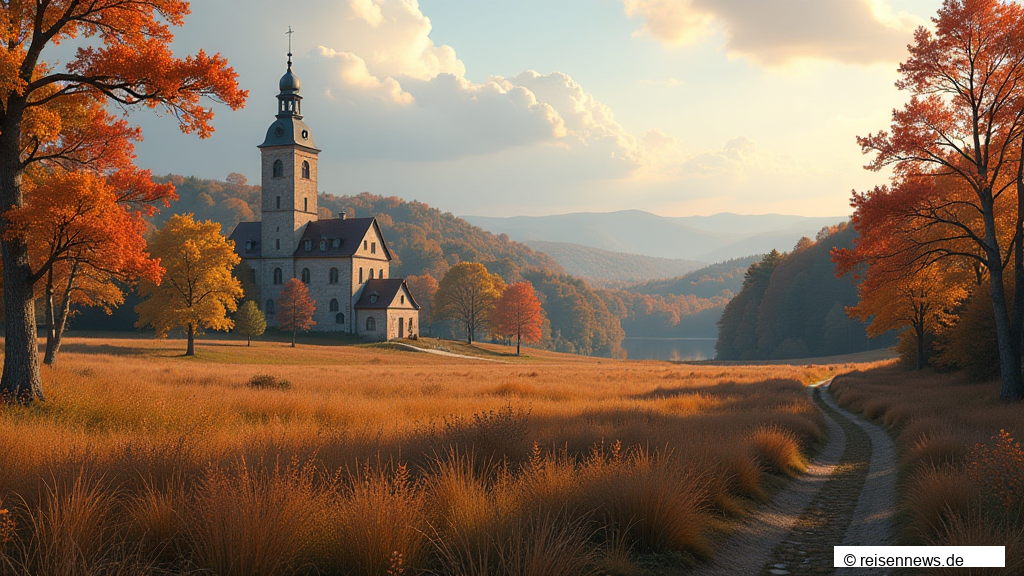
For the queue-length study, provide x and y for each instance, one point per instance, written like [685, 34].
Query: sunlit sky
[508, 107]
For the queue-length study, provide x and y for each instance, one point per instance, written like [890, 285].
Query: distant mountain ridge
[598, 264]
[701, 238]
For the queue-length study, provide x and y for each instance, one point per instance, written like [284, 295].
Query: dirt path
[846, 497]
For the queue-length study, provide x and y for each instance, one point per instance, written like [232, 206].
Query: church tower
[288, 175]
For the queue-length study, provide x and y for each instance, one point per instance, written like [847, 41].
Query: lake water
[669, 348]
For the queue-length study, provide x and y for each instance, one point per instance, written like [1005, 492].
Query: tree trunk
[57, 322]
[293, 337]
[919, 329]
[248, 340]
[20, 381]
[1011, 381]
[519, 340]
[191, 350]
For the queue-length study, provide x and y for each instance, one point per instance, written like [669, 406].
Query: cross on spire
[289, 33]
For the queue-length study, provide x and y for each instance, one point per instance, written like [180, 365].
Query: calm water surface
[669, 348]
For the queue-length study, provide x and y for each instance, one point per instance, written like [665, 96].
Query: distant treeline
[793, 306]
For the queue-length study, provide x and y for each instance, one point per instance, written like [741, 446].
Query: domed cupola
[289, 129]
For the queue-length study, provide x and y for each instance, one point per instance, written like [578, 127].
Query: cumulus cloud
[774, 33]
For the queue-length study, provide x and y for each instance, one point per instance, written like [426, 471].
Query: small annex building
[344, 261]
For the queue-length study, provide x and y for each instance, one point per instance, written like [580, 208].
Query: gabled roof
[385, 290]
[350, 231]
[247, 235]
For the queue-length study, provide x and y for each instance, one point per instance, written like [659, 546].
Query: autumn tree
[197, 290]
[86, 236]
[54, 114]
[466, 295]
[424, 288]
[250, 321]
[923, 300]
[295, 308]
[955, 150]
[518, 314]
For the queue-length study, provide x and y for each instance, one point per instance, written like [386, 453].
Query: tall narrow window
[278, 243]
[334, 305]
[364, 244]
[270, 308]
[278, 278]
[373, 247]
[278, 202]
[371, 324]
[371, 273]
[381, 275]
[305, 170]
[252, 275]
[278, 169]
[305, 275]
[360, 274]
[339, 318]
[332, 276]
[305, 204]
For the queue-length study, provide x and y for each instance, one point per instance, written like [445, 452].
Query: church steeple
[289, 101]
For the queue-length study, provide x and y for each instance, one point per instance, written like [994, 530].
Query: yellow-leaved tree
[467, 295]
[198, 290]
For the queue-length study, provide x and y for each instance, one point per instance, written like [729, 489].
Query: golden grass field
[371, 460]
[960, 479]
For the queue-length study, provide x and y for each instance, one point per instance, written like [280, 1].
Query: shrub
[265, 381]
[776, 449]
[934, 496]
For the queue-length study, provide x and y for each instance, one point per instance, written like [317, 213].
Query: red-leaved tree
[53, 115]
[518, 314]
[955, 149]
[295, 308]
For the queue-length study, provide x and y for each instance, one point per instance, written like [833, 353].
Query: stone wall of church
[379, 325]
[322, 291]
[403, 323]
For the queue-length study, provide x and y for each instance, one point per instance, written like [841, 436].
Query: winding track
[847, 496]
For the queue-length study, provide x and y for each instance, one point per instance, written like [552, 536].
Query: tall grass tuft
[934, 496]
[252, 521]
[373, 525]
[777, 449]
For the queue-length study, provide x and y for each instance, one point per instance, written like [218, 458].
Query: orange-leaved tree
[53, 114]
[955, 150]
[295, 308]
[924, 300]
[466, 295]
[518, 314]
[84, 235]
[197, 290]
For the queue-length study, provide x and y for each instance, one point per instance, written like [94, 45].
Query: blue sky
[497, 108]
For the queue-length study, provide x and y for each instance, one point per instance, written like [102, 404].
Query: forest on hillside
[793, 306]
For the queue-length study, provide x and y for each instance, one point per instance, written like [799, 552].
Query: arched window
[305, 170]
[371, 324]
[381, 275]
[334, 304]
[360, 274]
[278, 279]
[371, 273]
[339, 318]
[305, 275]
[278, 169]
[305, 204]
[332, 276]
[403, 299]
[270, 308]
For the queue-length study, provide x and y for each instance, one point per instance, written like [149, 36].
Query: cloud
[777, 32]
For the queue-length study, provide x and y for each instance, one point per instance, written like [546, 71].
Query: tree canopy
[295, 308]
[197, 291]
[518, 314]
[467, 295]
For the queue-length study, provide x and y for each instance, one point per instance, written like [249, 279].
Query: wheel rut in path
[846, 497]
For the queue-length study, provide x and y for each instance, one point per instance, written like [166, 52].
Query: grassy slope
[151, 458]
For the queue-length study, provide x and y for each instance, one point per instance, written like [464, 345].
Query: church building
[343, 261]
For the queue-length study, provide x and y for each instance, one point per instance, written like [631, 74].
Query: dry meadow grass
[960, 477]
[367, 460]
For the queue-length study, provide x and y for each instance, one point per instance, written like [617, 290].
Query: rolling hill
[597, 264]
[701, 238]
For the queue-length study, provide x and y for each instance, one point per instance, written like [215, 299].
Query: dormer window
[336, 242]
[323, 244]
[373, 298]
[308, 244]
[278, 169]
[305, 169]
[248, 245]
